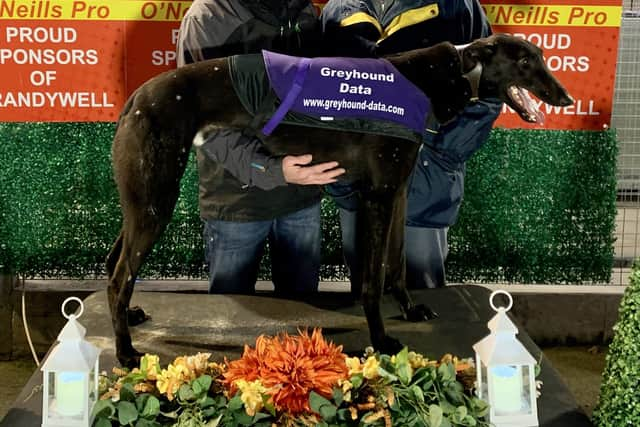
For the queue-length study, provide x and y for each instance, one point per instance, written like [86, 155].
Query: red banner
[78, 60]
[580, 43]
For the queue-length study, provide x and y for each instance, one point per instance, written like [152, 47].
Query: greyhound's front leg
[396, 263]
[376, 220]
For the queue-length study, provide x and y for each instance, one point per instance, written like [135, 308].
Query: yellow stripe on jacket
[403, 20]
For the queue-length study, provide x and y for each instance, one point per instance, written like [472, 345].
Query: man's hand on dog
[296, 172]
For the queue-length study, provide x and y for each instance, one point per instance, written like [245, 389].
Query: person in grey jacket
[246, 196]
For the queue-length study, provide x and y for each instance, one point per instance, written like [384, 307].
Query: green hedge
[539, 207]
[619, 402]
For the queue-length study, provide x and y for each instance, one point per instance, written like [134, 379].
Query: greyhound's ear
[478, 51]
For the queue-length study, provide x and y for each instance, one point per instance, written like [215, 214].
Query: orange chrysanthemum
[290, 368]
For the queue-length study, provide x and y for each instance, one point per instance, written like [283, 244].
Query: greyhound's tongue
[530, 106]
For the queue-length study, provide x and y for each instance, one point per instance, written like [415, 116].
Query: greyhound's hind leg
[137, 242]
[376, 220]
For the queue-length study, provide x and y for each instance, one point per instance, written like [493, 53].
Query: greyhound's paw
[389, 346]
[136, 316]
[130, 359]
[419, 313]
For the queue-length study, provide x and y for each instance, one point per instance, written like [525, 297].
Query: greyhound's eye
[523, 61]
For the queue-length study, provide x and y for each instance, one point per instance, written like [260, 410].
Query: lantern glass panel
[511, 389]
[70, 394]
[51, 397]
[93, 391]
[484, 384]
[528, 389]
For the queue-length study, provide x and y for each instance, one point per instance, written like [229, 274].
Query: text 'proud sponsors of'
[78, 60]
[40, 55]
[580, 44]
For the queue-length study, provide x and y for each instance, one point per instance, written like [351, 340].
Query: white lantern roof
[73, 352]
[501, 347]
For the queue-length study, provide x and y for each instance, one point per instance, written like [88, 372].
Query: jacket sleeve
[245, 158]
[199, 39]
[476, 23]
[349, 30]
[205, 35]
[467, 133]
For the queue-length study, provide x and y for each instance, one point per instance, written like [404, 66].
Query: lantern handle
[498, 292]
[78, 300]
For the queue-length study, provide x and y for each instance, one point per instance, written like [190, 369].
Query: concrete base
[222, 325]
[551, 314]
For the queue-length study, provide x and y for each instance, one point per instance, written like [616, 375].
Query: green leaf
[235, 403]
[403, 367]
[134, 378]
[172, 415]
[214, 422]
[127, 393]
[338, 396]
[417, 393]
[269, 406]
[260, 416]
[127, 413]
[185, 393]
[328, 412]
[447, 407]
[207, 402]
[104, 409]
[147, 423]
[427, 386]
[447, 372]
[343, 414]
[357, 381]
[435, 416]
[102, 422]
[201, 385]
[387, 375]
[316, 401]
[151, 408]
[141, 400]
[242, 418]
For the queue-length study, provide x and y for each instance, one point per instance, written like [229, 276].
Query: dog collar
[473, 77]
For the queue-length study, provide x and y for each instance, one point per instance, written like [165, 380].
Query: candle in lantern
[507, 388]
[70, 394]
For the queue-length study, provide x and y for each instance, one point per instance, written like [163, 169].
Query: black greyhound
[155, 133]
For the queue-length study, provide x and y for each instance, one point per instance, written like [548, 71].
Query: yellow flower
[150, 365]
[346, 386]
[195, 365]
[354, 365]
[216, 368]
[251, 395]
[370, 369]
[170, 379]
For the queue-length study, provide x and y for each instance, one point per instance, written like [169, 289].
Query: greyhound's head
[511, 67]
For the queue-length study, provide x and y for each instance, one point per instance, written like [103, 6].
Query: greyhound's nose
[566, 100]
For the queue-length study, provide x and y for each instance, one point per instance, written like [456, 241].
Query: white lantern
[70, 376]
[506, 377]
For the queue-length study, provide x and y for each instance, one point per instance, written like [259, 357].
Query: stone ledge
[551, 314]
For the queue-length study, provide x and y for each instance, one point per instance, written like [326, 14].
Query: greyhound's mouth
[524, 105]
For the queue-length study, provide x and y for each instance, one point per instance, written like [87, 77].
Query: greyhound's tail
[127, 107]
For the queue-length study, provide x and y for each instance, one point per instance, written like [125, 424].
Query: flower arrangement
[295, 381]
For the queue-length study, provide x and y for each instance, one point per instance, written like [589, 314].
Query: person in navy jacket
[369, 28]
